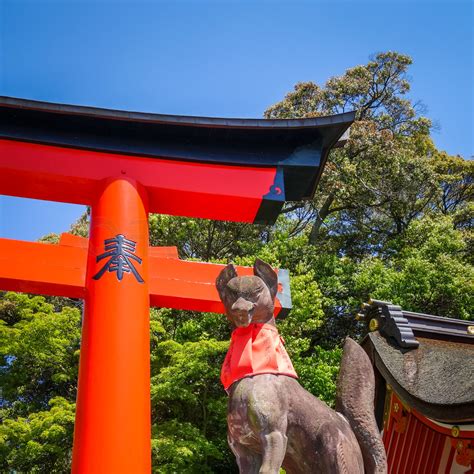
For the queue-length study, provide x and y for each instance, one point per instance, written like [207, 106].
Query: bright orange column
[113, 427]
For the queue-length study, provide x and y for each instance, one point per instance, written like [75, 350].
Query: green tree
[39, 352]
[427, 274]
[375, 185]
[40, 442]
[189, 407]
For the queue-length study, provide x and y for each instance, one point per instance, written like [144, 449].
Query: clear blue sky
[223, 58]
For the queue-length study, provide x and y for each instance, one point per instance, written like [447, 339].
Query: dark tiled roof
[428, 360]
[437, 378]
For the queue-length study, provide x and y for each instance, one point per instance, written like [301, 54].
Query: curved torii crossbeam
[125, 165]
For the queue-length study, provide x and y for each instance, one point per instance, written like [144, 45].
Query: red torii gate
[125, 165]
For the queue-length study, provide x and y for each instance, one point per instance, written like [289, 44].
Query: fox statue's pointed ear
[267, 274]
[223, 278]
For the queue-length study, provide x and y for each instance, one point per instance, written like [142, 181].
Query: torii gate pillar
[112, 430]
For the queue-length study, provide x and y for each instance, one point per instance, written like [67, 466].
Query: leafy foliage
[39, 353]
[392, 219]
[41, 442]
[189, 411]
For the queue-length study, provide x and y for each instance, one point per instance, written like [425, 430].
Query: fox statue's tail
[355, 400]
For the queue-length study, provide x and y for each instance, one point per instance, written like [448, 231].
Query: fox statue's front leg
[258, 421]
[249, 462]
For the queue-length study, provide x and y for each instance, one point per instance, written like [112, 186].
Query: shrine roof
[436, 378]
[428, 360]
[297, 147]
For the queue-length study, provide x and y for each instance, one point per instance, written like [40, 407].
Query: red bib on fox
[255, 349]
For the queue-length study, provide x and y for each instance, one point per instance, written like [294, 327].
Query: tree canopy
[392, 219]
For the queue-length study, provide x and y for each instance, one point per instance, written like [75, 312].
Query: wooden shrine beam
[31, 267]
[60, 270]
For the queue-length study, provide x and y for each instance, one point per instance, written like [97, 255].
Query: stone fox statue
[272, 420]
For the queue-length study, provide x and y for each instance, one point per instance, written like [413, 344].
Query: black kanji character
[121, 252]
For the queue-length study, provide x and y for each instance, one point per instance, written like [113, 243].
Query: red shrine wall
[418, 445]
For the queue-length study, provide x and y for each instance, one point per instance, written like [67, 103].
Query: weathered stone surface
[355, 399]
[274, 422]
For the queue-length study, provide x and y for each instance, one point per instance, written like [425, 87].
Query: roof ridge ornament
[402, 326]
[390, 321]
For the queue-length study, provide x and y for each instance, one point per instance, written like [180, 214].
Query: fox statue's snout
[242, 312]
